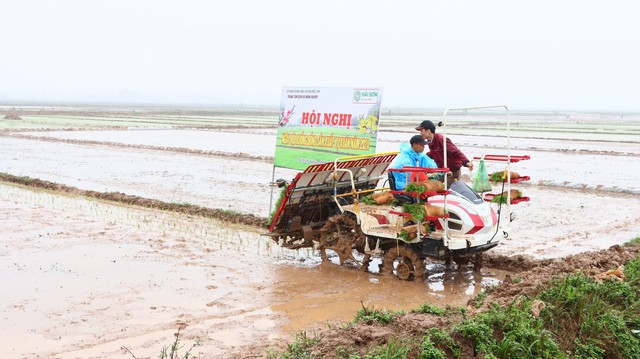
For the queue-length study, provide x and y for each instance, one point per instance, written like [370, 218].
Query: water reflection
[453, 281]
[311, 296]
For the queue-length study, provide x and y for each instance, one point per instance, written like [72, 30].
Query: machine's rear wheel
[403, 262]
[341, 234]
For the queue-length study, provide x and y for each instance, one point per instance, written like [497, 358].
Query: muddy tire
[342, 234]
[478, 260]
[403, 262]
[461, 261]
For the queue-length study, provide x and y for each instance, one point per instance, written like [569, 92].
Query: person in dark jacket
[455, 158]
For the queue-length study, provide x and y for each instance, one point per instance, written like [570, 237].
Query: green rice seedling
[497, 176]
[268, 248]
[283, 192]
[368, 200]
[414, 187]
[500, 199]
[404, 235]
[417, 211]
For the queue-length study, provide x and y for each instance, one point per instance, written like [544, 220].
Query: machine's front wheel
[461, 261]
[478, 260]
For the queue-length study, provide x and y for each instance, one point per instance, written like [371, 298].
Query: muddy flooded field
[83, 277]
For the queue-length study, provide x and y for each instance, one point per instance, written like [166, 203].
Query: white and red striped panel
[316, 174]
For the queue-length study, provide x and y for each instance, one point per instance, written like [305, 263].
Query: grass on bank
[575, 316]
[173, 350]
[633, 242]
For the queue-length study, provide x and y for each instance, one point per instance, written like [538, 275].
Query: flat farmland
[88, 276]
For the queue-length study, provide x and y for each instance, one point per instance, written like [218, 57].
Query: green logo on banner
[356, 96]
[362, 96]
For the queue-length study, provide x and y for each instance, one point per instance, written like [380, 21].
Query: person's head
[417, 143]
[427, 129]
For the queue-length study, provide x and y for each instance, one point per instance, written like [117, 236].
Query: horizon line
[195, 105]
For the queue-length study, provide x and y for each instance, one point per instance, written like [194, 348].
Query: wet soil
[533, 277]
[113, 240]
[228, 216]
[83, 277]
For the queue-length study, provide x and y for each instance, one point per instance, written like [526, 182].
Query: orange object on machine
[418, 177]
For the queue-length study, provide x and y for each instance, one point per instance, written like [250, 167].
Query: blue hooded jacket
[409, 158]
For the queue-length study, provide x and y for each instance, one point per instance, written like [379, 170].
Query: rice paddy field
[83, 277]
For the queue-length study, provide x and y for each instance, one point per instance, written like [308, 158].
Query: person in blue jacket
[411, 155]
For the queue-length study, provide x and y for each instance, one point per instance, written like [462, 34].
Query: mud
[48, 138]
[83, 277]
[361, 337]
[226, 216]
[119, 238]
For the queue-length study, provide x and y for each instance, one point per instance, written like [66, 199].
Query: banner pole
[273, 178]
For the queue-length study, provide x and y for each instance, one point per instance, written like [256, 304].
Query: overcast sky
[544, 55]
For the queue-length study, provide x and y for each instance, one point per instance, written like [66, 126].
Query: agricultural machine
[325, 207]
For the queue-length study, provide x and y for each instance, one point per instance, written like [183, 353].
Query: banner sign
[320, 124]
